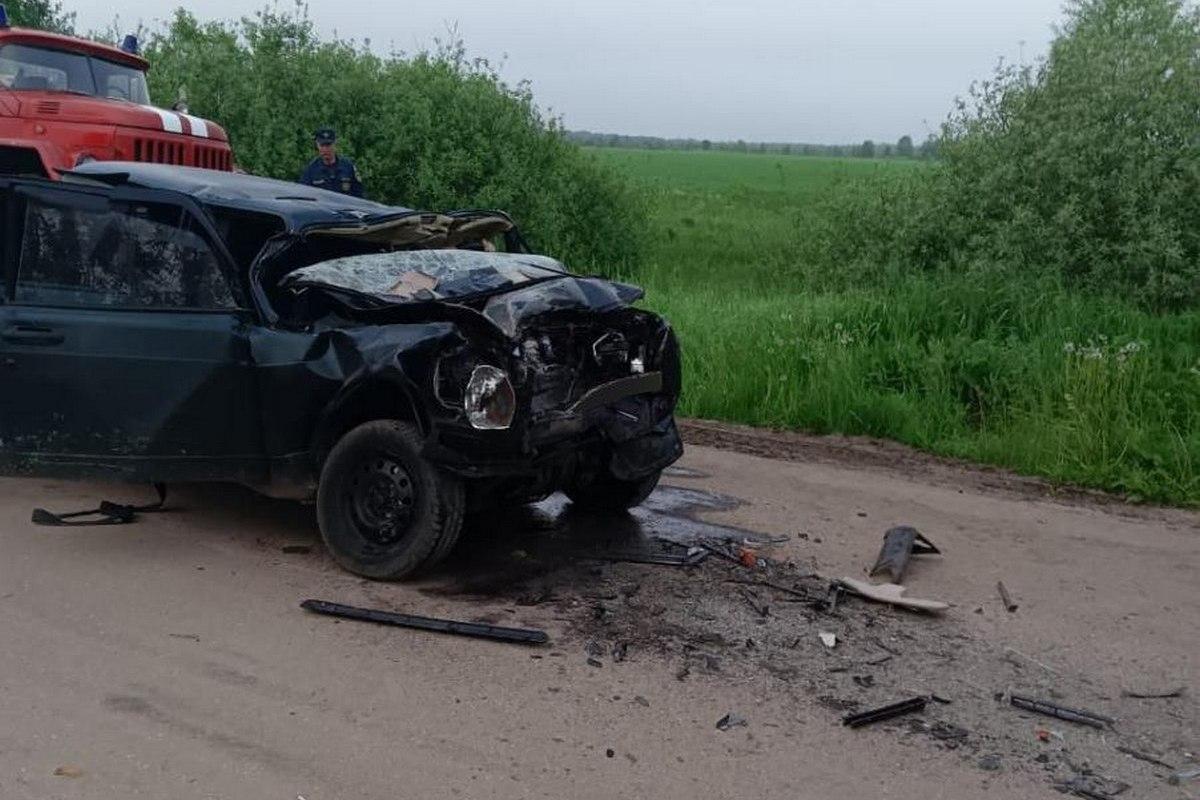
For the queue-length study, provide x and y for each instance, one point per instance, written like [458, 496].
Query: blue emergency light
[130, 44]
[3, 16]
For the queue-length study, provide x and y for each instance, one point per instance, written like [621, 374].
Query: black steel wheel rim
[381, 495]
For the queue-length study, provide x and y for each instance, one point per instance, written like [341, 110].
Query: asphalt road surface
[169, 658]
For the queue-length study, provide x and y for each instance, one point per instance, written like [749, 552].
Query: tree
[1089, 163]
[434, 130]
[48, 15]
[706, 145]
[904, 147]
[866, 149]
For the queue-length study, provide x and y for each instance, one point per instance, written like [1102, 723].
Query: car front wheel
[384, 511]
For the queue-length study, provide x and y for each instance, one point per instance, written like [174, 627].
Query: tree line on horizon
[903, 148]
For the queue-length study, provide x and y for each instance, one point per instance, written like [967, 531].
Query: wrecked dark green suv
[162, 323]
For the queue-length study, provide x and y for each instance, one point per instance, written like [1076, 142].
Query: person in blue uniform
[329, 170]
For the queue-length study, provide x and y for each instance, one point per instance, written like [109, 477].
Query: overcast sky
[762, 70]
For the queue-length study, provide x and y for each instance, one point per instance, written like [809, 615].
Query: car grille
[189, 154]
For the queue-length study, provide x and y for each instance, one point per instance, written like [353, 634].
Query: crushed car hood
[513, 287]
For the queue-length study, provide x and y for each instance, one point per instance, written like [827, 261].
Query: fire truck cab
[66, 101]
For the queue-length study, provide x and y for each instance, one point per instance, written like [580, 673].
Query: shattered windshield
[427, 274]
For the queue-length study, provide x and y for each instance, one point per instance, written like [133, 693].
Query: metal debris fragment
[731, 721]
[691, 558]
[1154, 695]
[474, 629]
[108, 513]
[1060, 712]
[885, 712]
[828, 639]
[899, 544]
[1005, 598]
[1147, 757]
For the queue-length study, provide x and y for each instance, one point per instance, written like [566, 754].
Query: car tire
[384, 511]
[604, 492]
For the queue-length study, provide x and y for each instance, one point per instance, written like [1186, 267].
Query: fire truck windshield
[24, 68]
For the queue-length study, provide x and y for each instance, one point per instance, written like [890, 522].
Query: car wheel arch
[370, 398]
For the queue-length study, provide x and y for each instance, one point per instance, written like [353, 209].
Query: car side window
[88, 251]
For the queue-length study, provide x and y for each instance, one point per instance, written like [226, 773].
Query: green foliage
[436, 130]
[1008, 368]
[1085, 168]
[1091, 165]
[48, 15]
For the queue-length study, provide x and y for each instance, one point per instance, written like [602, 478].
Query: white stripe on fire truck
[170, 120]
[199, 126]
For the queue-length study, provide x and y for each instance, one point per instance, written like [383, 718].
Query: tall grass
[995, 367]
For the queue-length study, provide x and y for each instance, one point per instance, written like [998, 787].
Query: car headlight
[489, 399]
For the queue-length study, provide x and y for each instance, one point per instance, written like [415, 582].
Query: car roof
[299, 206]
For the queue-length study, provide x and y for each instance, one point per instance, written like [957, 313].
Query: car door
[124, 341]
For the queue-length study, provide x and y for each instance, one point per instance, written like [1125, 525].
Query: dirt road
[170, 658]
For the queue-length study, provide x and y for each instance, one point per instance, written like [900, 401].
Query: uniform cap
[325, 136]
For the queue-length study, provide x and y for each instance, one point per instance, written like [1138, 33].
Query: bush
[1085, 168]
[436, 130]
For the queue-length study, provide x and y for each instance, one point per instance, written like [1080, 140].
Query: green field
[1007, 371]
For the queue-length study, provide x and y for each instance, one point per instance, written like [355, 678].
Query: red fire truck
[65, 101]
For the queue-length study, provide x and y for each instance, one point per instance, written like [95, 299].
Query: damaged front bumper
[634, 435]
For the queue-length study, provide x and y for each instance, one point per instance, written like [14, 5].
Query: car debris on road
[1147, 757]
[689, 558]
[1061, 712]
[899, 544]
[107, 513]
[1151, 694]
[891, 593]
[731, 720]
[874, 715]
[1005, 598]
[475, 629]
